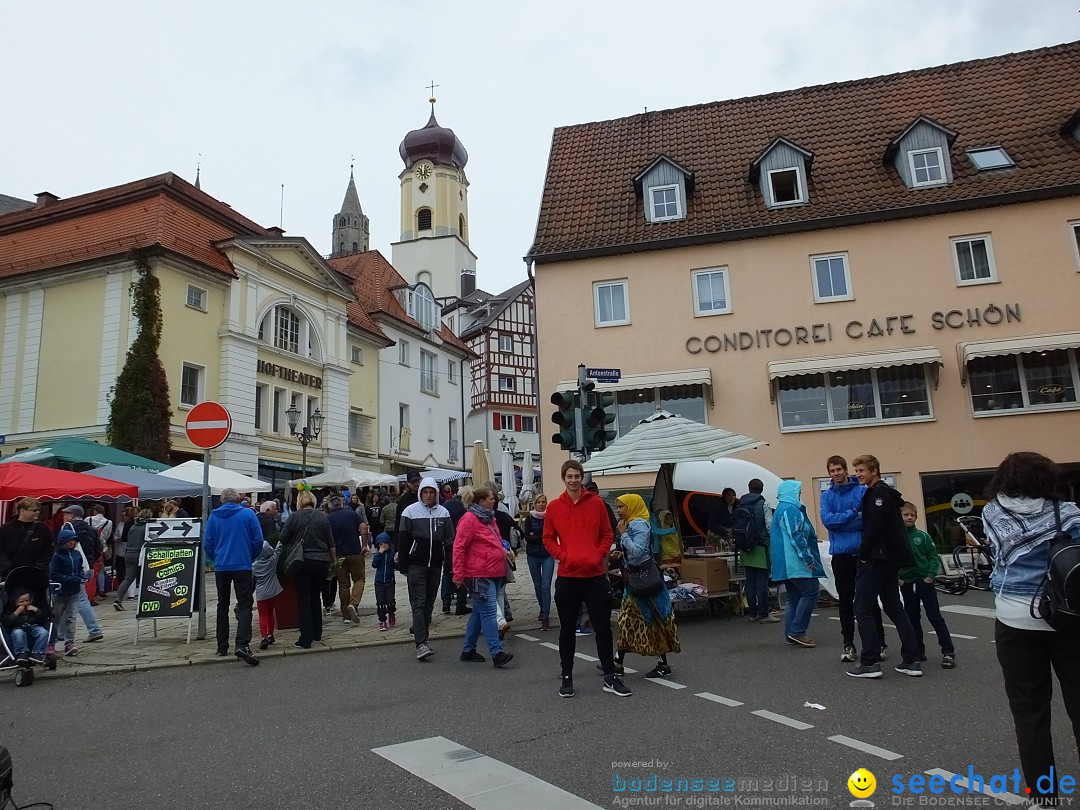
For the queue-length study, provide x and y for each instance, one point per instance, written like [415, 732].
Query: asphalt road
[299, 731]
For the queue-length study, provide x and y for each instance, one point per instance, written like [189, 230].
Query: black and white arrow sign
[174, 529]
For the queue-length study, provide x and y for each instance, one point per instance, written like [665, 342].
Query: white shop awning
[1022, 344]
[921, 356]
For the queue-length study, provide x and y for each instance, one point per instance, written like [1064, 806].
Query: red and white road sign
[208, 425]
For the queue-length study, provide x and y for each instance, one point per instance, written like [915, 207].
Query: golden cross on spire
[432, 87]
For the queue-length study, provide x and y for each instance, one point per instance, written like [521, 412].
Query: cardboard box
[710, 571]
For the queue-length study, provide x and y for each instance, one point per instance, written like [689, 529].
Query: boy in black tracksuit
[383, 563]
[883, 552]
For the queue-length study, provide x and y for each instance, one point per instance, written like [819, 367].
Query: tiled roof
[374, 280]
[501, 302]
[9, 204]
[158, 211]
[1017, 101]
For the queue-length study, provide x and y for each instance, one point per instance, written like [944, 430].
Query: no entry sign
[208, 425]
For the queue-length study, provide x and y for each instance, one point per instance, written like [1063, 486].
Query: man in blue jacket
[232, 541]
[841, 516]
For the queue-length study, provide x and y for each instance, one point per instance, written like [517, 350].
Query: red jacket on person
[478, 549]
[578, 535]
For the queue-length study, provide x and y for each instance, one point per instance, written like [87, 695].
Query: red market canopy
[19, 480]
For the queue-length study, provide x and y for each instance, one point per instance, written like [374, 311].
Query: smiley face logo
[861, 783]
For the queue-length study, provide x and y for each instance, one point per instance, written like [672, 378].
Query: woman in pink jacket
[480, 566]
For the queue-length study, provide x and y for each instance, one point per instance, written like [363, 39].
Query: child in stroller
[26, 622]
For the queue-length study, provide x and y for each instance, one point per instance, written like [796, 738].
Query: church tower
[351, 229]
[434, 245]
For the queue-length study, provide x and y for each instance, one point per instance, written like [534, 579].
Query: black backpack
[1059, 600]
[742, 528]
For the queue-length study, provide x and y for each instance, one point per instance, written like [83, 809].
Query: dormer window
[988, 159]
[926, 167]
[781, 170]
[420, 304]
[664, 187]
[665, 203]
[920, 154]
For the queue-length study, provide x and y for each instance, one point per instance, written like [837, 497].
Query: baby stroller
[36, 581]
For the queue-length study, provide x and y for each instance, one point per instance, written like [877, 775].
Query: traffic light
[600, 414]
[567, 404]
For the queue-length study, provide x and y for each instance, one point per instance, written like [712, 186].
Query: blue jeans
[86, 612]
[542, 570]
[802, 595]
[920, 591]
[37, 643]
[485, 594]
[757, 592]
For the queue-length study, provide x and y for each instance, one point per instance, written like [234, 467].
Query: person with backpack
[750, 524]
[1026, 511]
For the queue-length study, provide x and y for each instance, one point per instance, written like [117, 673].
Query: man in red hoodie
[577, 533]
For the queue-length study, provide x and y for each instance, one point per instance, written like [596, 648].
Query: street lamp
[512, 443]
[508, 444]
[504, 441]
[307, 434]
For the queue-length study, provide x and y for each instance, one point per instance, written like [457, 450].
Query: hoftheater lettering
[990, 315]
[289, 374]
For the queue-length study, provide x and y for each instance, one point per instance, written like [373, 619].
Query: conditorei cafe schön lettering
[882, 326]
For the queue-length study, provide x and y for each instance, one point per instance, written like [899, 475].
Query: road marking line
[663, 682]
[585, 657]
[527, 638]
[549, 645]
[866, 748]
[932, 632]
[1008, 798]
[477, 780]
[718, 699]
[969, 611]
[785, 721]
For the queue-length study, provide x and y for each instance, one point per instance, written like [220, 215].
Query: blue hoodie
[233, 538]
[792, 539]
[840, 514]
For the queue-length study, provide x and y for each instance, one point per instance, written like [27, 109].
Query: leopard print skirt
[647, 626]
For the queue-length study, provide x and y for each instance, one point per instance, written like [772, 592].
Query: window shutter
[517, 423]
[495, 423]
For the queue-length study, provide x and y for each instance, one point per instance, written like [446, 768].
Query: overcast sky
[271, 92]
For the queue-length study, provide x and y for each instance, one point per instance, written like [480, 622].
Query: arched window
[423, 306]
[355, 247]
[341, 247]
[342, 223]
[423, 277]
[423, 219]
[461, 226]
[286, 330]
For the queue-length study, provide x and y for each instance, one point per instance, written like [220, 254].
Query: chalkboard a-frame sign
[168, 584]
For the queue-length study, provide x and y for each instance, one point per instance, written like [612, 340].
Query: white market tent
[349, 477]
[220, 478]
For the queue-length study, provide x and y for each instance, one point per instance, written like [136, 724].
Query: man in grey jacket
[424, 528]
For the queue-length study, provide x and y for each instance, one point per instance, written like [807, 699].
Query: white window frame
[680, 209]
[597, 286]
[451, 372]
[1027, 406]
[848, 424]
[283, 334]
[528, 424]
[506, 343]
[819, 298]
[261, 401]
[358, 355]
[956, 241]
[1008, 162]
[506, 420]
[201, 293]
[512, 388]
[1074, 234]
[429, 376]
[800, 200]
[723, 273]
[941, 167]
[200, 384]
[403, 352]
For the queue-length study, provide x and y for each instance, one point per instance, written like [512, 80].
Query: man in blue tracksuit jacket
[233, 540]
[841, 516]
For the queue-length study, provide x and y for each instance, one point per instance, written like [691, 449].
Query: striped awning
[920, 356]
[1021, 344]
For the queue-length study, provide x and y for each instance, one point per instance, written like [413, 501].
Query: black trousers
[423, 584]
[243, 582]
[447, 589]
[310, 581]
[595, 593]
[844, 567]
[1026, 658]
[880, 580]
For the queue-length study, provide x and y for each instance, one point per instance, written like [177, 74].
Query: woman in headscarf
[646, 625]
